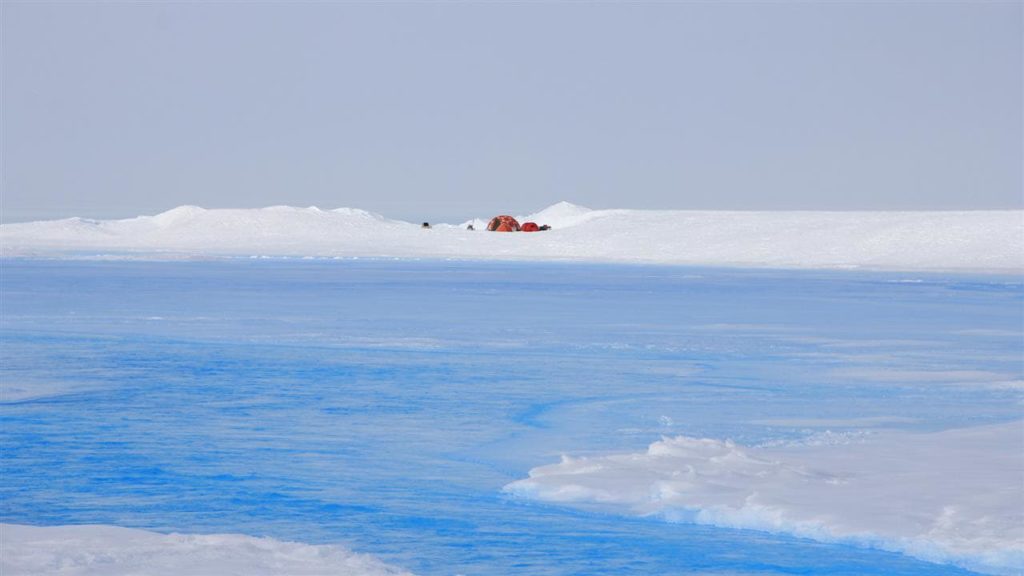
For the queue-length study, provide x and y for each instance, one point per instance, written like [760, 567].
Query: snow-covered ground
[955, 240]
[953, 496]
[114, 551]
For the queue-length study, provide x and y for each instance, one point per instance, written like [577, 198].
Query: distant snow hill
[989, 241]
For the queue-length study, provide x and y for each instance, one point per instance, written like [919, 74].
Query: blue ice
[384, 404]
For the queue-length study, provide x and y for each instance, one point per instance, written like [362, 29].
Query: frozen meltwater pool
[419, 412]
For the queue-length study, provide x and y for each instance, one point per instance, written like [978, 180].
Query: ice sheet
[383, 405]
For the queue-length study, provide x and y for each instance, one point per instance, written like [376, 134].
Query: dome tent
[530, 227]
[503, 223]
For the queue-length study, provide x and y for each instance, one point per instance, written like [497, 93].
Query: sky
[447, 111]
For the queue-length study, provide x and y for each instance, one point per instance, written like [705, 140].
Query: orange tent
[530, 227]
[503, 224]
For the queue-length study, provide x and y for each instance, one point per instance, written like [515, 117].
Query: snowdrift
[947, 497]
[966, 240]
[113, 551]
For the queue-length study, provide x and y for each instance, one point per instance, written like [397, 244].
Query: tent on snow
[530, 227]
[503, 223]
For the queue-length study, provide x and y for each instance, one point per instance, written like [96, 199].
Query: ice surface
[383, 405]
[964, 240]
[953, 496]
[114, 551]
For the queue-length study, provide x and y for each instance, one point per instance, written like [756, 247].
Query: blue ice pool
[385, 404]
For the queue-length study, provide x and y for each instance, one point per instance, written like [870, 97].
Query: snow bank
[951, 497]
[112, 551]
[979, 240]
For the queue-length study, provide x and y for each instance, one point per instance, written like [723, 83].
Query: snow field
[991, 241]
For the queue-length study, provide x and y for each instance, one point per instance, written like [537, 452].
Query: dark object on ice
[470, 227]
[503, 223]
[530, 227]
[425, 225]
[545, 227]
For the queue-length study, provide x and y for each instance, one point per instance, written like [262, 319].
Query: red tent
[530, 227]
[503, 224]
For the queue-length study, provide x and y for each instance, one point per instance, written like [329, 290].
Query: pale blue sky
[451, 110]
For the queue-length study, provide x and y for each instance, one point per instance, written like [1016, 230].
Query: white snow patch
[114, 551]
[951, 497]
[957, 240]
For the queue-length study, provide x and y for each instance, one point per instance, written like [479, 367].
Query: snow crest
[949, 497]
[991, 241]
[561, 215]
[114, 551]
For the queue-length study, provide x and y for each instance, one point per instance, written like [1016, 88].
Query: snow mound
[560, 215]
[113, 551]
[991, 241]
[866, 492]
[358, 213]
[177, 216]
